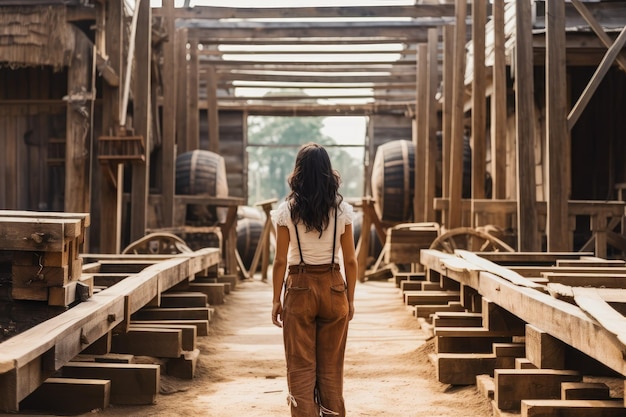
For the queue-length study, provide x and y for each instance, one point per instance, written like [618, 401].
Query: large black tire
[202, 172]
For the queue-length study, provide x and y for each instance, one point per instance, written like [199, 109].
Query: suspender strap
[334, 240]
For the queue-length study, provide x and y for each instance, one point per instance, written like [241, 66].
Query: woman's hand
[277, 311]
[350, 310]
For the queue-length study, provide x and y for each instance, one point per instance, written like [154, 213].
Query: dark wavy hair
[314, 188]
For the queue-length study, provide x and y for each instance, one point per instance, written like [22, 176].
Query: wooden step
[130, 383]
[430, 297]
[69, 396]
[573, 408]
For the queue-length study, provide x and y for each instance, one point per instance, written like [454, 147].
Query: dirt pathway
[241, 371]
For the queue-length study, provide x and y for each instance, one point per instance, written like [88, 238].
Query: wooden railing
[604, 217]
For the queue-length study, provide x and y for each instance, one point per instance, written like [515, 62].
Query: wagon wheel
[469, 239]
[157, 243]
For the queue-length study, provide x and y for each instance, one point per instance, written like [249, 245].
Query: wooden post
[264, 241]
[168, 154]
[192, 111]
[362, 247]
[181, 91]
[527, 235]
[141, 119]
[557, 134]
[479, 105]
[420, 133]
[212, 110]
[458, 128]
[498, 105]
[433, 124]
[446, 139]
[112, 175]
[78, 128]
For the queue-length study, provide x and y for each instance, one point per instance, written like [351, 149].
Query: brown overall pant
[315, 328]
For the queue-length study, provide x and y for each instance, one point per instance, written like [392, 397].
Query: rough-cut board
[19, 233]
[69, 396]
[28, 359]
[130, 383]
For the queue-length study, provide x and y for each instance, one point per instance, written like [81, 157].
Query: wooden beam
[527, 235]
[212, 110]
[412, 31]
[498, 104]
[433, 125]
[595, 81]
[78, 123]
[181, 91]
[111, 176]
[458, 128]
[479, 105]
[170, 84]
[446, 140]
[420, 134]
[142, 119]
[210, 12]
[557, 134]
[191, 108]
[599, 30]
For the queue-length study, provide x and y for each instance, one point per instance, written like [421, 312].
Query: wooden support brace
[69, 396]
[130, 383]
[146, 341]
[584, 391]
[462, 368]
[543, 350]
[573, 408]
[515, 385]
[183, 367]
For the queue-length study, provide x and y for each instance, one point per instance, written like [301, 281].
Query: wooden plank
[55, 394]
[202, 326]
[196, 313]
[538, 309]
[515, 385]
[19, 233]
[585, 391]
[183, 367]
[149, 341]
[497, 269]
[462, 368]
[131, 384]
[543, 350]
[189, 332]
[572, 408]
[184, 299]
[590, 301]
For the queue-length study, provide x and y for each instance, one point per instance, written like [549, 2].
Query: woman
[312, 224]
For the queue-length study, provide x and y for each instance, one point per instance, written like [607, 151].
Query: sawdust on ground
[241, 369]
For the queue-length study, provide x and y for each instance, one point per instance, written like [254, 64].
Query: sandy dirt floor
[241, 370]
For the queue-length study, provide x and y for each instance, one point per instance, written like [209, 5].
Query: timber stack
[538, 333]
[44, 251]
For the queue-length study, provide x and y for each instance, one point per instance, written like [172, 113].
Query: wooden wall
[32, 134]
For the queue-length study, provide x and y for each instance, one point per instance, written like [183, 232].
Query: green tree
[273, 143]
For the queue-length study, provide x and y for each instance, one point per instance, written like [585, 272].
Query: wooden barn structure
[86, 129]
[99, 97]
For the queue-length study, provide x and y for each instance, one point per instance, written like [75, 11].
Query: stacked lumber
[44, 249]
[564, 315]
